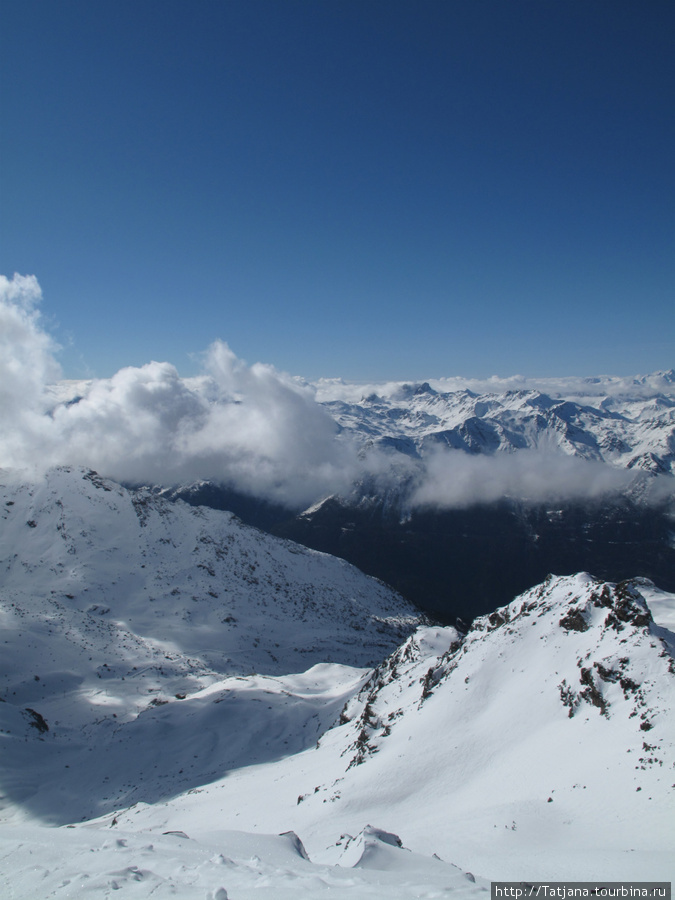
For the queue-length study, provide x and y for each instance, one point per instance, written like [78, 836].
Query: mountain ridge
[540, 741]
[175, 570]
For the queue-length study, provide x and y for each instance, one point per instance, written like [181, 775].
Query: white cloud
[26, 364]
[637, 387]
[26, 351]
[250, 426]
[453, 479]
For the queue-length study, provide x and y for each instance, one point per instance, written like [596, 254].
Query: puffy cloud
[246, 425]
[249, 426]
[129, 426]
[26, 351]
[26, 364]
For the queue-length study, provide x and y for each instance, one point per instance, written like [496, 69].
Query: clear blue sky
[371, 189]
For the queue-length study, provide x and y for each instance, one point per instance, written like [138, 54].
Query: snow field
[140, 694]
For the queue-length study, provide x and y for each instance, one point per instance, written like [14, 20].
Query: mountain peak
[489, 724]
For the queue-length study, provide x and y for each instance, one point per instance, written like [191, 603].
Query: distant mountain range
[627, 429]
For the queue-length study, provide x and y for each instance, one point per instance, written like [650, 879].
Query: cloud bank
[250, 427]
[453, 479]
[571, 388]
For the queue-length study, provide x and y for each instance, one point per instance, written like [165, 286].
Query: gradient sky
[370, 189]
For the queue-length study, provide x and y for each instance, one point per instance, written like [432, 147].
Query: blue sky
[370, 189]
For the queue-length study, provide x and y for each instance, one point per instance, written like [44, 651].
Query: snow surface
[459, 751]
[214, 865]
[151, 746]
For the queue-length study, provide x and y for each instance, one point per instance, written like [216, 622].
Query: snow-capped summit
[549, 727]
[635, 430]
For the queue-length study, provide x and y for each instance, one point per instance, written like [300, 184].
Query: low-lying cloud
[453, 479]
[626, 388]
[250, 427]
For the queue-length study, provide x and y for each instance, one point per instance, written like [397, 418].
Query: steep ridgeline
[602, 639]
[548, 730]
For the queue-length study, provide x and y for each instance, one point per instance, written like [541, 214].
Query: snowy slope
[548, 730]
[540, 745]
[115, 604]
[107, 703]
[94, 562]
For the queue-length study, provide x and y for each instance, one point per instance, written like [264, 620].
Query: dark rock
[574, 621]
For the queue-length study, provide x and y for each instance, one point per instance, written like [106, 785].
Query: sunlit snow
[141, 753]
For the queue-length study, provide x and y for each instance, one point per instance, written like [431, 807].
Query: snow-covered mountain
[191, 708]
[93, 558]
[558, 704]
[174, 749]
[542, 742]
[633, 430]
